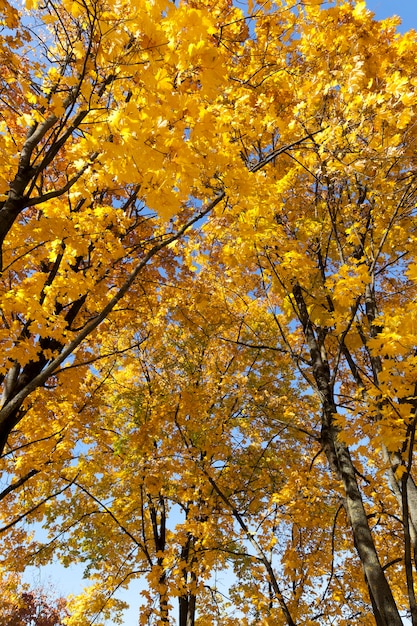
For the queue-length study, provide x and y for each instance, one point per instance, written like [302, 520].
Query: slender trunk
[187, 607]
[386, 612]
[258, 549]
[394, 458]
[407, 552]
[187, 602]
[158, 519]
[338, 456]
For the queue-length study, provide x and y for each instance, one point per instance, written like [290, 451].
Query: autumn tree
[138, 502]
[31, 607]
[96, 103]
[109, 114]
[208, 280]
[194, 466]
[97, 109]
[331, 247]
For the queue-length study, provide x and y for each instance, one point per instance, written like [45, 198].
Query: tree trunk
[187, 602]
[338, 456]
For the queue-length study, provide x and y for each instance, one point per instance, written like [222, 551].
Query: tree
[32, 608]
[139, 504]
[334, 259]
[94, 189]
[77, 221]
[294, 156]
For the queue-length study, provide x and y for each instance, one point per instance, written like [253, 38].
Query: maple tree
[162, 517]
[31, 607]
[77, 216]
[33, 610]
[207, 226]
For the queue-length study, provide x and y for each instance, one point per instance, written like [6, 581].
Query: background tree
[25, 607]
[138, 504]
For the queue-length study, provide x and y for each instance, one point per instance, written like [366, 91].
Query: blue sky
[406, 9]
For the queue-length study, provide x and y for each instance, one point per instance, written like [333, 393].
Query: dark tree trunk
[339, 459]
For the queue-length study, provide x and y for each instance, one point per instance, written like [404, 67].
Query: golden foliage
[207, 305]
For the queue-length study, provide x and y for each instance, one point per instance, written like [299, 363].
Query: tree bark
[340, 462]
[187, 602]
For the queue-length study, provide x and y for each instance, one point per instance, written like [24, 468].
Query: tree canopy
[207, 307]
